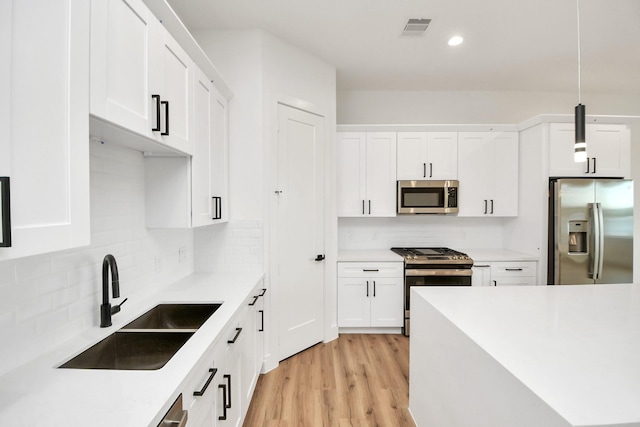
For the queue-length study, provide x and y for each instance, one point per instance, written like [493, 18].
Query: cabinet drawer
[515, 281]
[513, 269]
[371, 269]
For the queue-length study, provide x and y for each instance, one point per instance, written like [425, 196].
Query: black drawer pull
[264, 291]
[212, 374]
[166, 117]
[513, 269]
[370, 269]
[255, 300]
[224, 402]
[156, 128]
[228, 377]
[261, 323]
[235, 338]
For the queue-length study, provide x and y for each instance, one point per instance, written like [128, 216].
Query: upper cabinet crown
[427, 155]
[366, 174]
[608, 151]
[140, 76]
[488, 173]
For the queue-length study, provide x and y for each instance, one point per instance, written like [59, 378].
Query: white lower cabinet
[370, 294]
[219, 388]
[504, 273]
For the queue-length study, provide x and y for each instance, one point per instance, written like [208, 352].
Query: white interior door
[299, 278]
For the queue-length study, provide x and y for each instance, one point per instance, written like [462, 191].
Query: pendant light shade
[580, 146]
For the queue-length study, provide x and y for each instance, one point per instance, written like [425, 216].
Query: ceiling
[509, 45]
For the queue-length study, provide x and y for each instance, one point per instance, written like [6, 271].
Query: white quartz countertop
[381, 255]
[488, 255]
[576, 347]
[39, 394]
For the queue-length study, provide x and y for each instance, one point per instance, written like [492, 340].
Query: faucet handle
[116, 308]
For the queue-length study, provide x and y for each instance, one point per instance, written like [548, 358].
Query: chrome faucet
[109, 263]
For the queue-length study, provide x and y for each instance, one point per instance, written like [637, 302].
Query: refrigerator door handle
[601, 244]
[594, 252]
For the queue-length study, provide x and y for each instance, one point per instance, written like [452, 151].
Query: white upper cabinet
[366, 174]
[608, 151]
[184, 192]
[44, 148]
[139, 74]
[488, 173]
[427, 155]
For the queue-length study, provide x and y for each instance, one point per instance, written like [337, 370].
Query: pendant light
[580, 145]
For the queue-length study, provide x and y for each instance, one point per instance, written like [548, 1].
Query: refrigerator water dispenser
[578, 237]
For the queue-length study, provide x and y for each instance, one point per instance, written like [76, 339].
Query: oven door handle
[438, 272]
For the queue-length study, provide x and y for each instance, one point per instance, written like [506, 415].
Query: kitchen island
[525, 356]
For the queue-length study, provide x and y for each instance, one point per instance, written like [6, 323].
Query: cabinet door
[442, 155]
[121, 40]
[354, 308]
[201, 195]
[503, 169]
[412, 156]
[351, 173]
[229, 397]
[474, 160]
[381, 174]
[171, 79]
[47, 156]
[481, 274]
[219, 160]
[561, 141]
[387, 308]
[608, 148]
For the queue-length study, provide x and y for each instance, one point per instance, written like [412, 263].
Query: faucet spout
[109, 265]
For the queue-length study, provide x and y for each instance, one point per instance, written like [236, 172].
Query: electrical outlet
[182, 254]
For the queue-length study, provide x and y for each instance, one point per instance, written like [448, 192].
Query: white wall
[49, 298]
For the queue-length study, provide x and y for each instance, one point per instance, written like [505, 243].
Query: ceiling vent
[416, 27]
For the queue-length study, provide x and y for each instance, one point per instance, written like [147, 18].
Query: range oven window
[423, 197]
[436, 280]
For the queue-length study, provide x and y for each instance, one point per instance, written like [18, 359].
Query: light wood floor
[354, 381]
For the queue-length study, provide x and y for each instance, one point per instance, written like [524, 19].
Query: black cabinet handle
[587, 171]
[235, 337]
[485, 207]
[224, 402]
[367, 289]
[369, 207]
[491, 206]
[424, 170]
[513, 269]
[370, 269]
[228, 378]
[495, 283]
[217, 207]
[262, 322]
[255, 300]
[5, 214]
[156, 128]
[212, 374]
[264, 291]
[319, 257]
[374, 288]
[430, 170]
[594, 165]
[363, 207]
[166, 117]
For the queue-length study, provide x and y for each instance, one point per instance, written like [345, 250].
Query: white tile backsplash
[230, 247]
[49, 298]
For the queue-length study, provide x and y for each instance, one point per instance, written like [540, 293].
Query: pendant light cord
[579, 59]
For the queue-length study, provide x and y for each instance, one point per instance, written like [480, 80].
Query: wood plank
[356, 380]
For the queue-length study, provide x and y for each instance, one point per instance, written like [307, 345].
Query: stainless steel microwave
[427, 197]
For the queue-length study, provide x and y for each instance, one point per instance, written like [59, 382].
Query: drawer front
[513, 269]
[371, 269]
[514, 281]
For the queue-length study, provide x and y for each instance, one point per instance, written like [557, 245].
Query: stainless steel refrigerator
[590, 231]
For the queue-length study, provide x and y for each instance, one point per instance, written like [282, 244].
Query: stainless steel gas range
[432, 267]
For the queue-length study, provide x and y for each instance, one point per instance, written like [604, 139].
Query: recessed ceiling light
[455, 40]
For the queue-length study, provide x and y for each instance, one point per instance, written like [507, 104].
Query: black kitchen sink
[149, 341]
